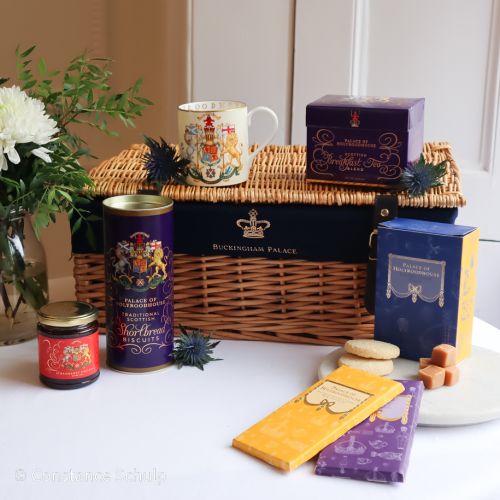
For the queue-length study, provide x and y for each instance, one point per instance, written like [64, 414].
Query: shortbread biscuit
[374, 366]
[373, 349]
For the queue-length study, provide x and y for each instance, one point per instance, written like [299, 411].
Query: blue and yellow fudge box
[426, 286]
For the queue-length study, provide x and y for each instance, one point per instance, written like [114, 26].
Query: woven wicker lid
[277, 176]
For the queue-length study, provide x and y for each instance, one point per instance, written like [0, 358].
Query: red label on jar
[66, 359]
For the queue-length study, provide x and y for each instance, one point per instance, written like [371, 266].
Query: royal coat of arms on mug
[213, 136]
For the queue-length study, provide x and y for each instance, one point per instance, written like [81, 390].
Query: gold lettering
[250, 248]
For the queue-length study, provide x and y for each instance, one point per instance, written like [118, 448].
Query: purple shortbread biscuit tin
[378, 449]
[366, 141]
[138, 254]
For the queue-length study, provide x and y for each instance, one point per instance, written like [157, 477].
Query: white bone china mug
[213, 136]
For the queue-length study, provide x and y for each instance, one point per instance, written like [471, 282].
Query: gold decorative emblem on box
[424, 279]
[253, 228]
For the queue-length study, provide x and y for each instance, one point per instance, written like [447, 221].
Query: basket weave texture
[254, 298]
[278, 175]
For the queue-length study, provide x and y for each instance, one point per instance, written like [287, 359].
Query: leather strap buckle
[386, 208]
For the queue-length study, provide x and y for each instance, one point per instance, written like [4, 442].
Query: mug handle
[271, 135]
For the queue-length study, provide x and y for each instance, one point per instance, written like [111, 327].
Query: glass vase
[23, 278]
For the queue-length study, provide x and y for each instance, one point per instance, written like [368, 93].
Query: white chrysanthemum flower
[23, 119]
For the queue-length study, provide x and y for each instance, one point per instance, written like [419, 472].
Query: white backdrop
[286, 53]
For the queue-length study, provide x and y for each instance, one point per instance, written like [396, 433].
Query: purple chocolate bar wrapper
[378, 449]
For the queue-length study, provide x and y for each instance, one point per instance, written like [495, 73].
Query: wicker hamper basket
[257, 298]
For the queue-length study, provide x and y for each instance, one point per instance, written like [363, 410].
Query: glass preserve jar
[68, 344]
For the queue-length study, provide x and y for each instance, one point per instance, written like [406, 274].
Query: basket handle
[270, 136]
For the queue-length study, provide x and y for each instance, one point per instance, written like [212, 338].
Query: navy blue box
[426, 283]
[286, 231]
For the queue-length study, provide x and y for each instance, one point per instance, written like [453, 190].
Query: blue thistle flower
[163, 163]
[193, 348]
[419, 177]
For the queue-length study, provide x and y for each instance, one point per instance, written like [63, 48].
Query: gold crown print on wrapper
[253, 228]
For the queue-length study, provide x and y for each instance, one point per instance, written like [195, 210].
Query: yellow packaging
[301, 428]
[467, 294]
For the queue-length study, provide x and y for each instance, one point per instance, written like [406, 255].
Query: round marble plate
[476, 397]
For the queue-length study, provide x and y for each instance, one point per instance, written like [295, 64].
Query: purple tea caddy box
[378, 449]
[366, 141]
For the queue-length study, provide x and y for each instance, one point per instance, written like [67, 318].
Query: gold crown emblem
[253, 228]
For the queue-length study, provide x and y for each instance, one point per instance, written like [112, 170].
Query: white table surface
[168, 434]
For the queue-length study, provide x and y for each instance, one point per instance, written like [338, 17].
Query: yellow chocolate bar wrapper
[301, 428]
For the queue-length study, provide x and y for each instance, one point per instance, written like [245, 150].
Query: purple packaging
[366, 141]
[138, 257]
[378, 449]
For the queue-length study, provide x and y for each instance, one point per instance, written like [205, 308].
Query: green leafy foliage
[192, 348]
[80, 95]
[77, 96]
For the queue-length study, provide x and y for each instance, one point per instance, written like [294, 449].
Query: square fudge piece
[451, 375]
[423, 362]
[444, 355]
[432, 376]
